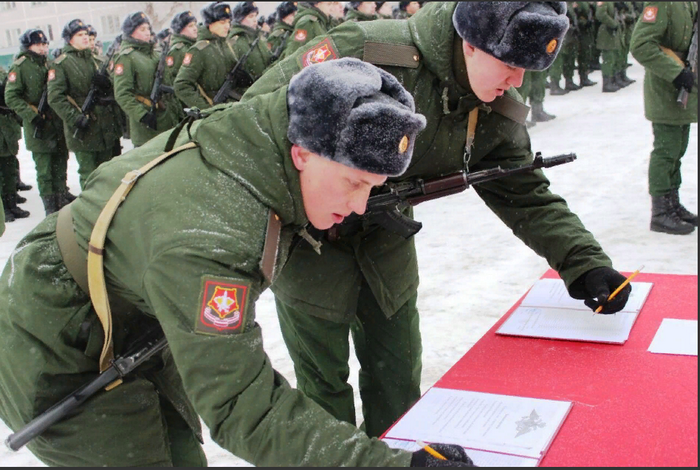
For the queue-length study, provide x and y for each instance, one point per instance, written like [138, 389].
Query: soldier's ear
[300, 157]
[468, 49]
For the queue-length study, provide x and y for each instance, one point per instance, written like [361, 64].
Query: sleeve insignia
[52, 74]
[170, 61]
[187, 59]
[12, 77]
[300, 35]
[223, 307]
[322, 52]
[119, 69]
[649, 15]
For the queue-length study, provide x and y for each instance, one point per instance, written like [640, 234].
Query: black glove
[455, 455]
[83, 122]
[150, 120]
[38, 121]
[102, 82]
[685, 79]
[596, 285]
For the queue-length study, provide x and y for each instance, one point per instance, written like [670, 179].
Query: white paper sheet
[553, 293]
[517, 426]
[676, 337]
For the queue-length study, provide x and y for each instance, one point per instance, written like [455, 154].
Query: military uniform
[198, 277]
[278, 37]
[565, 61]
[667, 25]
[10, 133]
[179, 45]
[309, 23]
[134, 74]
[586, 39]
[43, 135]
[534, 88]
[366, 281]
[608, 42]
[69, 82]
[241, 39]
[204, 69]
[355, 15]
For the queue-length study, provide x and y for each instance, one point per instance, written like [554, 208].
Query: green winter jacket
[23, 95]
[10, 130]
[70, 75]
[179, 45]
[354, 15]
[668, 25]
[241, 39]
[278, 37]
[204, 68]
[202, 220]
[327, 286]
[610, 28]
[134, 73]
[309, 22]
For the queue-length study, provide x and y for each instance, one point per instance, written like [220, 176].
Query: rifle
[283, 42]
[91, 97]
[225, 90]
[692, 65]
[158, 88]
[144, 348]
[41, 110]
[385, 209]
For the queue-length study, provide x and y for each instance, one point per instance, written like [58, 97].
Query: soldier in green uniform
[312, 19]
[383, 10]
[565, 61]
[595, 52]
[250, 178]
[660, 43]
[10, 133]
[627, 17]
[244, 32]
[277, 40]
[43, 130]
[586, 40]
[365, 280]
[96, 138]
[184, 35]
[361, 11]
[534, 87]
[608, 42]
[134, 75]
[206, 64]
[92, 36]
[405, 10]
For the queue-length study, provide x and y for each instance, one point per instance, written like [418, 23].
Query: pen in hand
[430, 450]
[619, 288]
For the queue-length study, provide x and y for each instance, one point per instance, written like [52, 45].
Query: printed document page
[676, 337]
[479, 457]
[518, 426]
[553, 293]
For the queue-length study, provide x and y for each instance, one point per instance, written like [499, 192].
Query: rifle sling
[679, 57]
[147, 101]
[204, 95]
[73, 102]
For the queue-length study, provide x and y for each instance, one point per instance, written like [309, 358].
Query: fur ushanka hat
[521, 34]
[353, 113]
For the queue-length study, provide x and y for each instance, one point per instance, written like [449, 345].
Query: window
[13, 36]
[110, 24]
[38, 4]
[7, 6]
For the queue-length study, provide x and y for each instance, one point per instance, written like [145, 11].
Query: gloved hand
[685, 79]
[455, 455]
[38, 121]
[102, 82]
[596, 285]
[83, 122]
[150, 120]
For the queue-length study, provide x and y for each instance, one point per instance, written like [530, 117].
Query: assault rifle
[692, 65]
[41, 110]
[385, 209]
[158, 87]
[283, 42]
[234, 76]
[91, 97]
[144, 348]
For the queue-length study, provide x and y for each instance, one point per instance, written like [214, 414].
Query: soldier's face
[91, 41]
[488, 76]
[368, 8]
[251, 20]
[41, 49]
[412, 8]
[190, 30]
[385, 9]
[289, 19]
[80, 40]
[220, 28]
[142, 33]
[330, 190]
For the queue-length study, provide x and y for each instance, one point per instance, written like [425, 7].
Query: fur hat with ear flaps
[521, 34]
[353, 113]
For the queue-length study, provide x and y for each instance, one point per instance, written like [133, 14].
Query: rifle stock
[226, 87]
[158, 87]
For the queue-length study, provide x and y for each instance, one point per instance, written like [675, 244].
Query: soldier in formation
[534, 88]
[247, 41]
[135, 69]
[184, 35]
[93, 136]
[364, 282]
[313, 19]
[660, 43]
[278, 37]
[405, 10]
[361, 11]
[27, 94]
[383, 10]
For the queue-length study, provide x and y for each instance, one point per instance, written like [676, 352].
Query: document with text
[495, 430]
[547, 311]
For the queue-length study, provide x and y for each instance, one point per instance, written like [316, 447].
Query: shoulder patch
[169, 61]
[20, 60]
[201, 45]
[12, 77]
[321, 52]
[649, 15]
[223, 307]
[300, 35]
[52, 75]
[119, 69]
[60, 59]
[187, 59]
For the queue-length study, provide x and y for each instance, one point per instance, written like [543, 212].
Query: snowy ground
[472, 267]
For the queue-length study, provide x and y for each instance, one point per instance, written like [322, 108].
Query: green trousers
[89, 161]
[8, 175]
[51, 171]
[533, 86]
[610, 64]
[670, 144]
[388, 350]
[568, 52]
[584, 53]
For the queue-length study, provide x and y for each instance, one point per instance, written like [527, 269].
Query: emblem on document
[529, 423]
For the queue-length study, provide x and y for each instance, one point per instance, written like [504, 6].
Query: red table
[631, 407]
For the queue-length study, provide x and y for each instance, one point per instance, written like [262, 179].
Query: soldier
[184, 30]
[196, 279]
[533, 87]
[406, 10]
[627, 17]
[277, 40]
[586, 40]
[608, 42]
[361, 11]
[660, 43]
[10, 134]
[243, 36]
[263, 25]
[595, 52]
[565, 61]
[312, 19]
[208, 61]
[383, 9]
[365, 280]
[94, 138]
[134, 76]
[43, 130]
[92, 35]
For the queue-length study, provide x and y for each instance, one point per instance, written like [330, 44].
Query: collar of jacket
[137, 44]
[85, 53]
[33, 56]
[205, 34]
[178, 38]
[237, 28]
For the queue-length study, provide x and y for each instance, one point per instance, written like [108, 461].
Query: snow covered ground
[472, 267]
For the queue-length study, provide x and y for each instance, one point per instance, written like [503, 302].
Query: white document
[547, 311]
[479, 457]
[502, 424]
[676, 337]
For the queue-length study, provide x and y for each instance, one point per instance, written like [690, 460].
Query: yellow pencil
[430, 450]
[620, 287]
